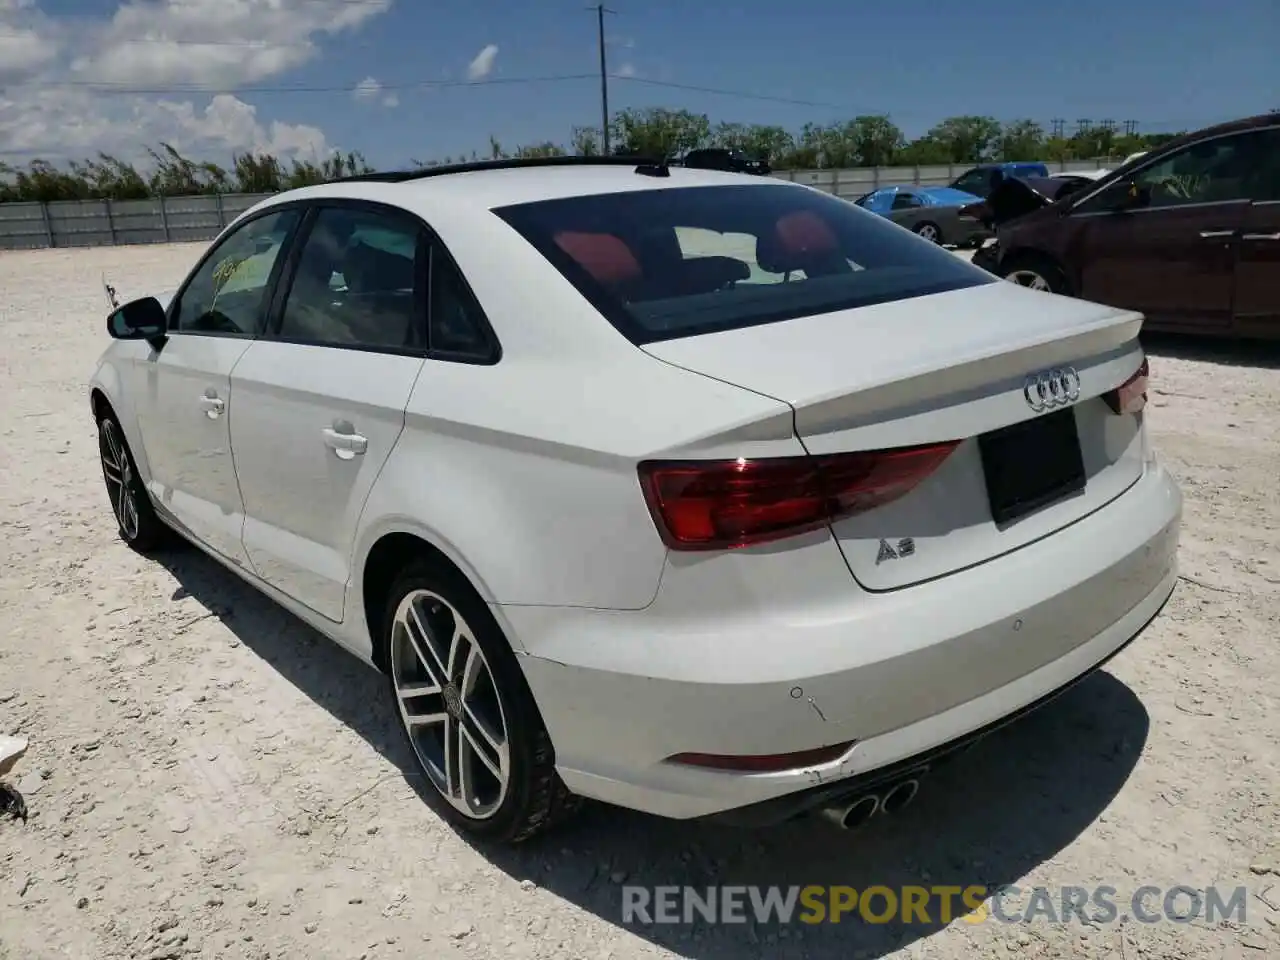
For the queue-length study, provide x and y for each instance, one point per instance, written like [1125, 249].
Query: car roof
[1242, 125]
[499, 185]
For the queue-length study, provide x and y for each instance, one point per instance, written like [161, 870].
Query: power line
[740, 94]
[247, 44]
[125, 89]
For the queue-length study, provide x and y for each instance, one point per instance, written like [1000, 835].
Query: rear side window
[679, 262]
[355, 282]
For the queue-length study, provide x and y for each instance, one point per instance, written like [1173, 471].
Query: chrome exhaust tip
[900, 795]
[853, 815]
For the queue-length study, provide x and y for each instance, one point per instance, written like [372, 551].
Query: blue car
[931, 212]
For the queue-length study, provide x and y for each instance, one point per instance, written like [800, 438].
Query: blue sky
[1173, 65]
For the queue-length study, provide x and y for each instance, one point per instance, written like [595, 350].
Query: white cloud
[24, 51]
[56, 74]
[627, 70]
[367, 89]
[482, 65]
[230, 122]
[219, 43]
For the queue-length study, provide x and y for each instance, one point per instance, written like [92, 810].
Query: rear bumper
[780, 809]
[907, 676]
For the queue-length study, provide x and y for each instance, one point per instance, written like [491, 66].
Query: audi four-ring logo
[1052, 388]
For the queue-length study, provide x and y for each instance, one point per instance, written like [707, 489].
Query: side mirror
[138, 320]
[1129, 195]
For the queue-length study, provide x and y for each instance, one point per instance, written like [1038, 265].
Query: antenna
[110, 291]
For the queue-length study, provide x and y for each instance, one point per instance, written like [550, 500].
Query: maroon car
[1189, 233]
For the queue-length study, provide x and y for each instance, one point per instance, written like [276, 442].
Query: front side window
[354, 284]
[975, 182]
[1214, 171]
[227, 295]
[684, 261]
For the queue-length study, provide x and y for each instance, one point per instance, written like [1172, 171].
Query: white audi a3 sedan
[702, 494]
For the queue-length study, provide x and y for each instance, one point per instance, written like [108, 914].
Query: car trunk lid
[1016, 197]
[951, 367]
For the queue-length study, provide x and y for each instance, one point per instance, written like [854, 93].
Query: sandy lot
[207, 777]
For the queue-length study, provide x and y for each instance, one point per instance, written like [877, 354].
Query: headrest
[797, 238]
[606, 257]
[370, 268]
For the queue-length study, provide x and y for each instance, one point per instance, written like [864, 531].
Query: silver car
[931, 212]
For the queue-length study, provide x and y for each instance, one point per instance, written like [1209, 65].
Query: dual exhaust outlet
[853, 814]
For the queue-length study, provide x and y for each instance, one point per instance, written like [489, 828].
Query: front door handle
[213, 404]
[1216, 234]
[345, 443]
[1260, 236]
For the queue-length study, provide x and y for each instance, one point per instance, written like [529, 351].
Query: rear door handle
[1260, 236]
[213, 405]
[344, 443]
[1216, 234]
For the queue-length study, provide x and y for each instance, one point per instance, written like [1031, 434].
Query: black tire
[1022, 268]
[932, 229]
[131, 506]
[536, 799]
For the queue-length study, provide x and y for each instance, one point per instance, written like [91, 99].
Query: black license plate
[1032, 464]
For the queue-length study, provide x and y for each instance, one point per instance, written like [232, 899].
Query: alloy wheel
[449, 704]
[929, 232]
[118, 474]
[1029, 279]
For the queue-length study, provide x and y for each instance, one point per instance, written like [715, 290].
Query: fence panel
[79, 223]
[23, 226]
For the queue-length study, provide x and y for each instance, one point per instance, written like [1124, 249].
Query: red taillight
[770, 763]
[723, 504]
[1130, 396]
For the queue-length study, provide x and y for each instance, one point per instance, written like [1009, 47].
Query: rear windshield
[679, 262]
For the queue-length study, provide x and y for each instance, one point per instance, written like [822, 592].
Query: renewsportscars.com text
[815, 904]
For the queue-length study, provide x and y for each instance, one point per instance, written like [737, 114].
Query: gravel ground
[208, 777]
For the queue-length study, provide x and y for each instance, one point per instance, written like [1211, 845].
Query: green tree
[1022, 140]
[659, 132]
[924, 152]
[585, 142]
[968, 139]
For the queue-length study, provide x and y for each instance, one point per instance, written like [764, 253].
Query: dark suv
[1188, 234]
[719, 158]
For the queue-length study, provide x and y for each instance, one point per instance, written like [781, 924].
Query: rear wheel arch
[390, 555]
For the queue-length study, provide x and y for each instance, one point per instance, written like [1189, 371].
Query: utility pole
[601, 10]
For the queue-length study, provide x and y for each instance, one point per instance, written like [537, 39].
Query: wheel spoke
[130, 518]
[451, 757]
[409, 691]
[117, 454]
[462, 753]
[481, 753]
[420, 637]
[425, 719]
[489, 744]
[457, 643]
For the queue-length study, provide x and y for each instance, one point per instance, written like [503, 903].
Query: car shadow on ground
[1011, 802]
[1234, 353]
